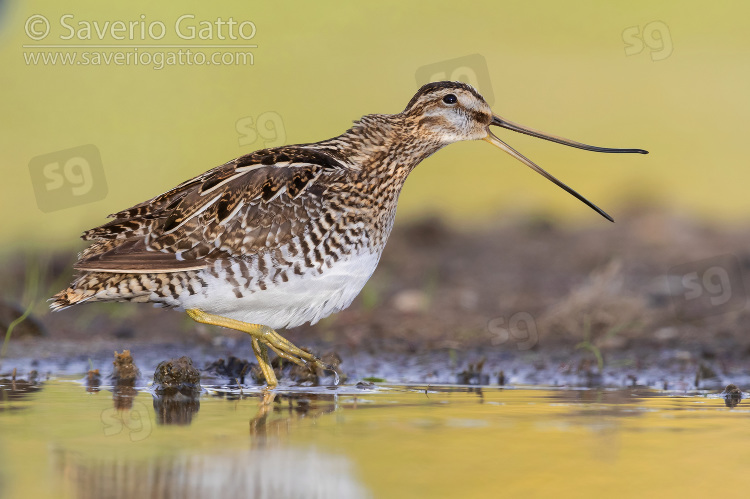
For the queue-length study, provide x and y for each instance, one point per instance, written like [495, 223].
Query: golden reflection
[381, 442]
[268, 473]
[263, 465]
[279, 413]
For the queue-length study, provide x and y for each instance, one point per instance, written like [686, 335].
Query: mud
[528, 300]
[732, 395]
[177, 376]
[125, 372]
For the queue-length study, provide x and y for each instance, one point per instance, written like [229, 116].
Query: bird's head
[451, 111]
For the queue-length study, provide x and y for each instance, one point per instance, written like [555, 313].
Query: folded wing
[251, 204]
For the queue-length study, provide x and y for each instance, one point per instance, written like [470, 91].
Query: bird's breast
[307, 296]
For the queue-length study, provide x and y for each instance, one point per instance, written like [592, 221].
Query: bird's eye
[450, 99]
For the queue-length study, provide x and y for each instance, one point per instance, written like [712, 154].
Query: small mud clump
[233, 369]
[177, 387]
[124, 376]
[177, 376]
[125, 373]
[93, 380]
[732, 395]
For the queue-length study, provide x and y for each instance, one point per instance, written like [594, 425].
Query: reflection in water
[12, 388]
[389, 441]
[177, 409]
[122, 397]
[601, 402]
[266, 469]
[269, 473]
[278, 413]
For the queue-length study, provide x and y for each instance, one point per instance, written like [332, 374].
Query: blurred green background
[670, 77]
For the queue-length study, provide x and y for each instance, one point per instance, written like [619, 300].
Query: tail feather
[161, 289]
[69, 297]
[96, 286]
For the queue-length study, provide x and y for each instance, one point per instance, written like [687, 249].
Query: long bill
[501, 122]
[494, 140]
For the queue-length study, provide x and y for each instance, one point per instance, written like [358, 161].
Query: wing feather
[246, 205]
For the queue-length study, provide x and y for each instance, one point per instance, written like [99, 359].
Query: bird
[288, 235]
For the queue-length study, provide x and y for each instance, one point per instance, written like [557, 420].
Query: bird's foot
[264, 338]
[287, 350]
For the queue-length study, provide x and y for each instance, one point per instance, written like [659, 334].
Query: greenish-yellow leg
[263, 338]
[261, 353]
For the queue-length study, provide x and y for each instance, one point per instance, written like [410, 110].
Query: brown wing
[250, 204]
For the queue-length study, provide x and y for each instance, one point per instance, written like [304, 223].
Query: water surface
[61, 440]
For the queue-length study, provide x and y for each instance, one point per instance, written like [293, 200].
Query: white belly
[303, 298]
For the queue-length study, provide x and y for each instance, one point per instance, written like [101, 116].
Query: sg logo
[471, 69]
[707, 287]
[269, 126]
[520, 329]
[136, 422]
[68, 178]
[655, 36]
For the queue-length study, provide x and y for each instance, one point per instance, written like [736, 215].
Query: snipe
[288, 235]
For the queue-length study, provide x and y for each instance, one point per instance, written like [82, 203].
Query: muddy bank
[528, 290]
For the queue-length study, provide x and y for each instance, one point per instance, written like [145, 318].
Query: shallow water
[382, 441]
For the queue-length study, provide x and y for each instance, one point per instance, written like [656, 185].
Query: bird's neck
[381, 151]
[383, 144]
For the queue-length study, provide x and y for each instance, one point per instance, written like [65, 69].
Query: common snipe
[288, 235]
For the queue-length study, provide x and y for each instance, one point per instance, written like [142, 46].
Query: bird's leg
[261, 353]
[263, 338]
